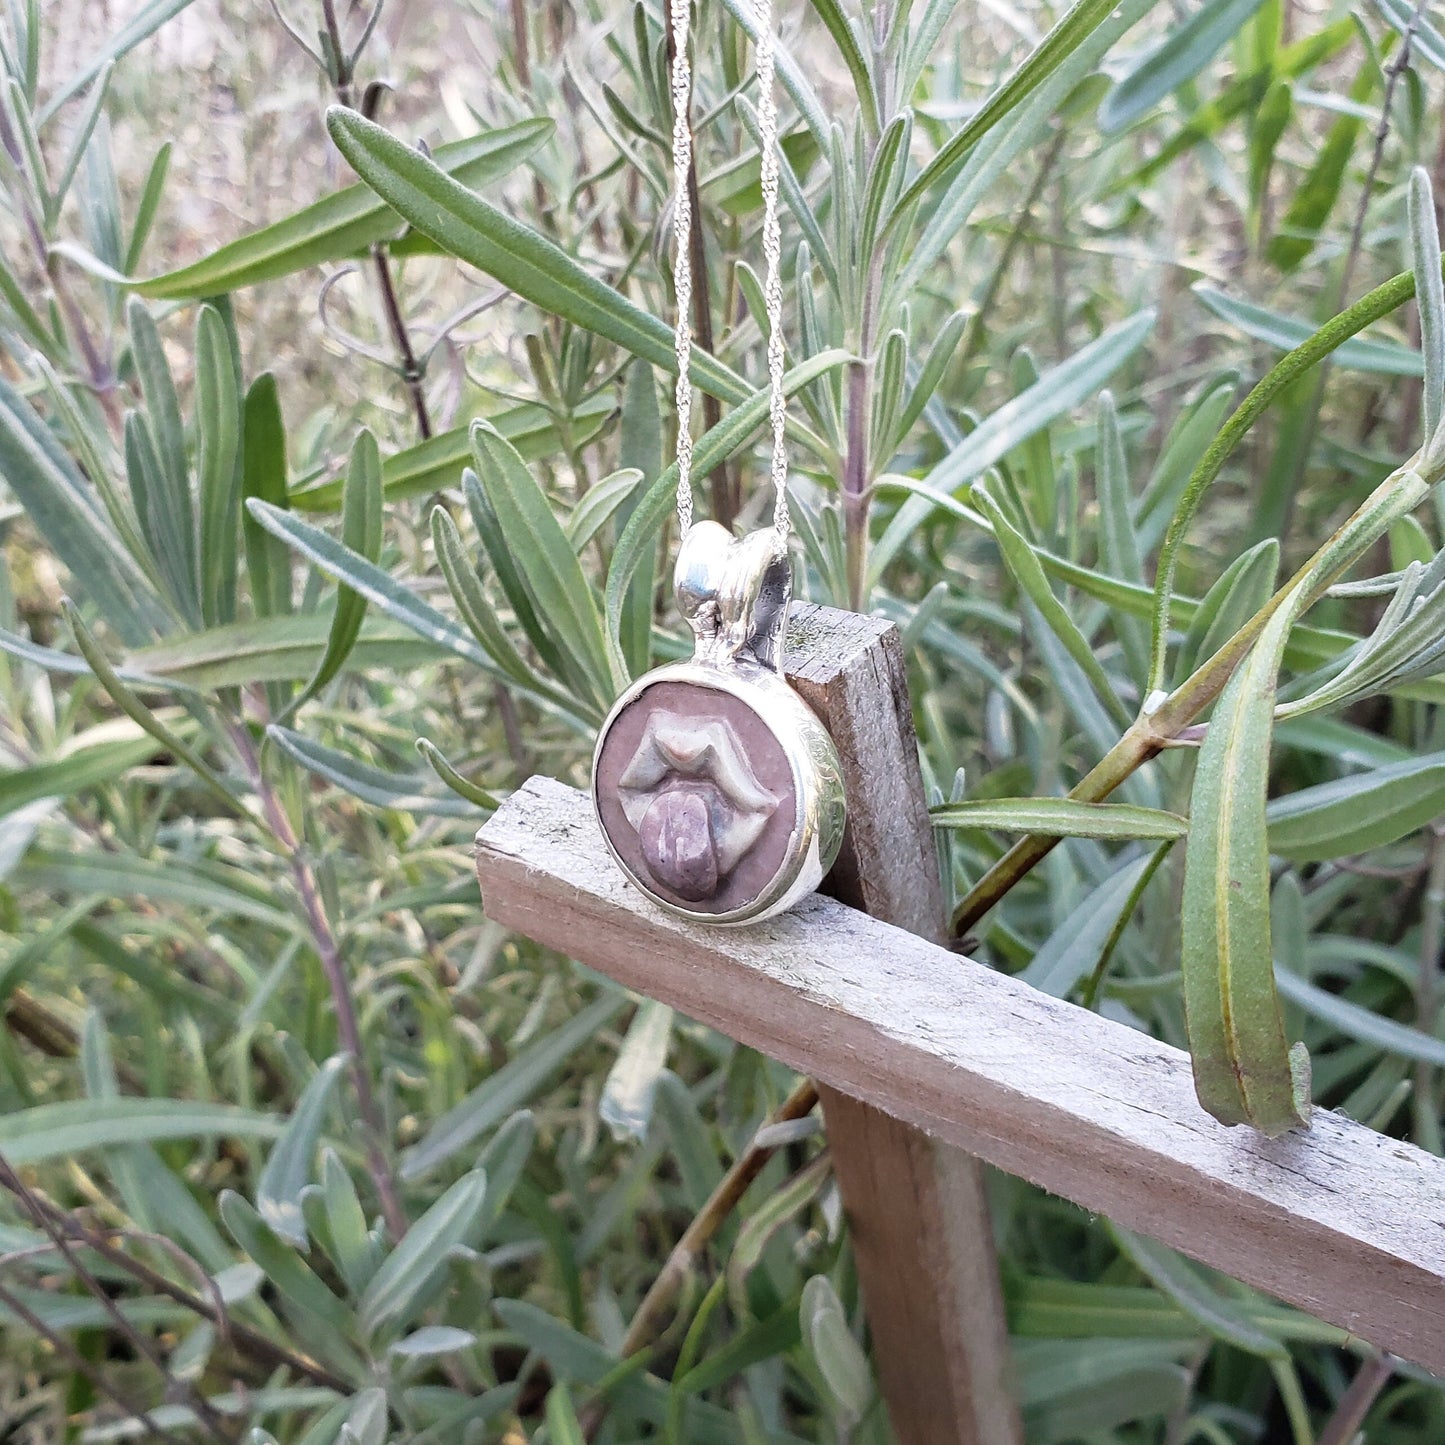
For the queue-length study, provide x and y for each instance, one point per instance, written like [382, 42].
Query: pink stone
[677, 842]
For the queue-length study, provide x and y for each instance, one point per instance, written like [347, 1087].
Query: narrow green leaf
[361, 521]
[1315, 196]
[272, 649]
[1184, 52]
[1057, 391]
[930, 377]
[435, 464]
[563, 1426]
[172, 501]
[1363, 1024]
[344, 224]
[604, 499]
[468, 227]
[790, 72]
[149, 207]
[1185, 1284]
[284, 1268]
[462, 787]
[209, 887]
[1430, 298]
[1027, 572]
[218, 428]
[454, 1220]
[1068, 35]
[1241, 591]
[80, 769]
[573, 1356]
[625, 1105]
[1357, 813]
[1380, 358]
[1406, 19]
[838, 1356]
[476, 610]
[160, 523]
[713, 447]
[58, 502]
[830, 12]
[58, 1131]
[141, 26]
[1118, 541]
[640, 448]
[131, 705]
[1290, 61]
[356, 1252]
[408, 793]
[263, 478]
[509, 573]
[288, 1167]
[378, 587]
[564, 601]
[1061, 818]
[367, 1420]
[1242, 1066]
[1077, 948]
[79, 139]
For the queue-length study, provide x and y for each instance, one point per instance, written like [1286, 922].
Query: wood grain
[917, 1208]
[1342, 1221]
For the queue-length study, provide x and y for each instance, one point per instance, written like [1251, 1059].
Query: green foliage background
[1117, 345]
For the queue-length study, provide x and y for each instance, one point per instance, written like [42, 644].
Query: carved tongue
[677, 842]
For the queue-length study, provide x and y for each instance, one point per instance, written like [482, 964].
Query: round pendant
[717, 788]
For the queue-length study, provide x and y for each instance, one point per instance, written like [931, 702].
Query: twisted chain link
[772, 256]
[682, 256]
[772, 252]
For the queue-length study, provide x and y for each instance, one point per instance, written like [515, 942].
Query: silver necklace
[718, 790]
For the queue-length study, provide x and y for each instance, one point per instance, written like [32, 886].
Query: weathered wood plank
[1343, 1222]
[916, 1206]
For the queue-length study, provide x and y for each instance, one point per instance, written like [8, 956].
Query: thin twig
[657, 1304]
[1345, 1424]
[136, 1338]
[329, 952]
[411, 372]
[243, 1339]
[99, 1383]
[660, 1301]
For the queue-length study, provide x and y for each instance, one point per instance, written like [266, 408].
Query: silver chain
[682, 258]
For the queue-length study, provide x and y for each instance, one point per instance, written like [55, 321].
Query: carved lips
[695, 802]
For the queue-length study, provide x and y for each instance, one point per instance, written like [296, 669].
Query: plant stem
[329, 953]
[411, 373]
[247, 1341]
[652, 1314]
[1345, 1424]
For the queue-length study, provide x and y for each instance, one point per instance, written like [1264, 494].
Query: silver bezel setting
[817, 831]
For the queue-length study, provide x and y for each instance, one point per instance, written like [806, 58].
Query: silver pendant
[717, 788]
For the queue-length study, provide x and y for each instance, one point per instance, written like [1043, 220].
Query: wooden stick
[1343, 1222]
[917, 1209]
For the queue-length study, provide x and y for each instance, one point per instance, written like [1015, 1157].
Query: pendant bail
[734, 594]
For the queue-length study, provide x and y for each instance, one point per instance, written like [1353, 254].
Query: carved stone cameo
[697, 796]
